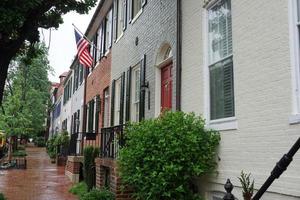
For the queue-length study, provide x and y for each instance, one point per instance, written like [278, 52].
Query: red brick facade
[107, 168]
[73, 167]
[97, 82]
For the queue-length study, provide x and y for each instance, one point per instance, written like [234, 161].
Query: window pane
[137, 6]
[106, 108]
[221, 90]
[99, 42]
[108, 30]
[220, 31]
[120, 18]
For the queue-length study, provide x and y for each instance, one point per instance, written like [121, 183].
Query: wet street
[40, 181]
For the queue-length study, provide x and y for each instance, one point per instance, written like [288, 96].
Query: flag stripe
[83, 53]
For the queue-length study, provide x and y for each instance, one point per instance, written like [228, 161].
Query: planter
[61, 160]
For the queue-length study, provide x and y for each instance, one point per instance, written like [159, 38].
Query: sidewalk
[40, 181]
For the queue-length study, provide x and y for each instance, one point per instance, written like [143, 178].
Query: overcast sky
[62, 42]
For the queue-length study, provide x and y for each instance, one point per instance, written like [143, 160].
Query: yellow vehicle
[2, 139]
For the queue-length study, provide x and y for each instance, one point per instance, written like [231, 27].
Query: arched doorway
[164, 79]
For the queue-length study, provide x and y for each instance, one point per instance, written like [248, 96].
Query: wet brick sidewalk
[40, 181]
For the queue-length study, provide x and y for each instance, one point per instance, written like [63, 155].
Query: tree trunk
[9, 154]
[5, 58]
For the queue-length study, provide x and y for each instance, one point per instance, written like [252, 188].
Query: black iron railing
[73, 144]
[76, 144]
[279, 168]
[112, 138]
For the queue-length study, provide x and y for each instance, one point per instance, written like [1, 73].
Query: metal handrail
[279, 168]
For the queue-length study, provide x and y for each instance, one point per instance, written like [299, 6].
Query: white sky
[62, 46]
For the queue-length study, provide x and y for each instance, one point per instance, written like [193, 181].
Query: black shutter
[95, 48]
[144, 2]
[142, 88]
[112, 107]
[128, 93]
[78, 124]
[98, 110]
[115, 18]
[122, 95]
[129, 11]
[125, 3]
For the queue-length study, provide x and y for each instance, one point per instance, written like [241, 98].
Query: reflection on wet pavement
[40, 181]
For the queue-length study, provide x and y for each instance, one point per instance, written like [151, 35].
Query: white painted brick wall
[263, 92]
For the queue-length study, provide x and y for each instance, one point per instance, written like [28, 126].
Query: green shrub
[19, 153]
[51, 147]
[95, 194]
[2, 197]
[162, 155]
[62, 139]
[79, 189]
[56, 141]
[39, 141]
[90, 153]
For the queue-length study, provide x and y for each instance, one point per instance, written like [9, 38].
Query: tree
[26, 96]
[20, 21]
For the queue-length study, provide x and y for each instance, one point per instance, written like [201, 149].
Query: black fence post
[228, 187]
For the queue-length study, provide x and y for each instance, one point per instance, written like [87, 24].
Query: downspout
[178, 55]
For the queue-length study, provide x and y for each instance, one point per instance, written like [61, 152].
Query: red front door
[166, 87]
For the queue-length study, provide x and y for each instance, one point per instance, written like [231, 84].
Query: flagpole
[85, 37]
[84, 108]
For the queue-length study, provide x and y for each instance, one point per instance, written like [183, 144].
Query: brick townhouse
[56, 100]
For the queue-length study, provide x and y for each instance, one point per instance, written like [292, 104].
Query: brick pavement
[40, 181]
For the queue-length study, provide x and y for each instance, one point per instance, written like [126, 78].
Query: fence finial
[228, 187]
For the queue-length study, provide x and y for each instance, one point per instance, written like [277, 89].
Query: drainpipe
[178, 55]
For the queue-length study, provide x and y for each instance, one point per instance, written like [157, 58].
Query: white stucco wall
[77, 103]
[263, 92]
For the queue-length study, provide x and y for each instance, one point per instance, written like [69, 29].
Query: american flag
[83, 53]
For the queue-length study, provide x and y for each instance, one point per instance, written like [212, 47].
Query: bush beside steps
[81, 190]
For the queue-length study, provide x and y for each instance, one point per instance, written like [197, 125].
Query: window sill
[294, 119]
[136, 16]
[225, 124]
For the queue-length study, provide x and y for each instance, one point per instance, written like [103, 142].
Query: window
[100, 41]
[136, 7]
[117, 102]
[80, 73]
[108, 30]
[91, 115]
[67, 91]
[135, 96]
[120, 16]
[295, 49]
[106, 108]
[220, 61]
[64, 125]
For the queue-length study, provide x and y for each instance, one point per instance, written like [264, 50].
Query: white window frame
[108, 38]
[135, 103]
[106, 110]
[120, 3]
[229, 123]
[117, 102]
[136, 16]
[295, 61]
